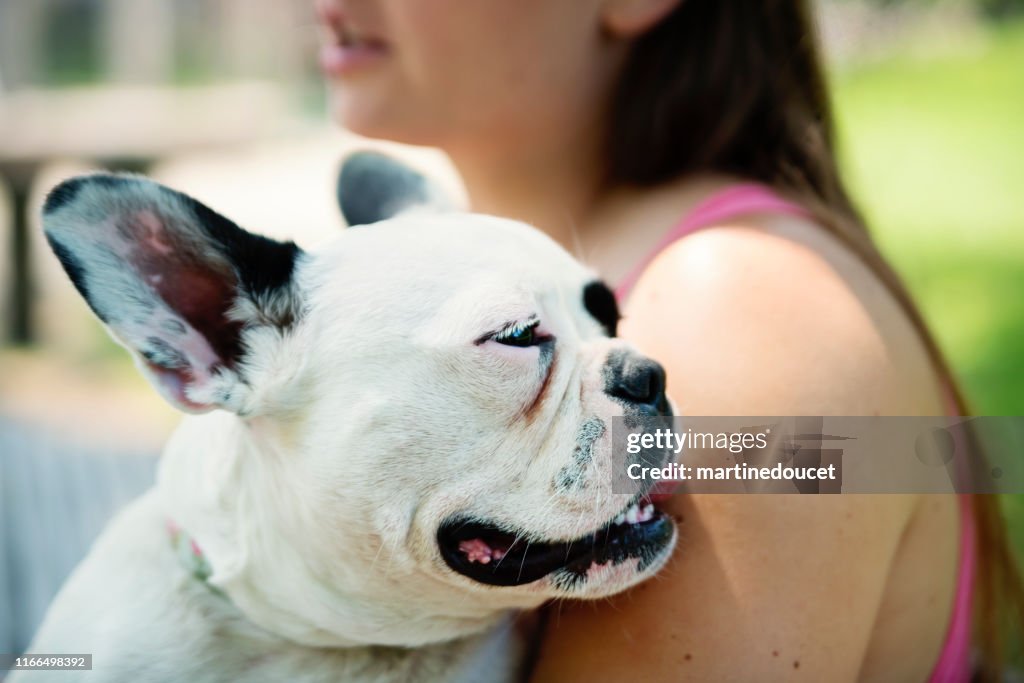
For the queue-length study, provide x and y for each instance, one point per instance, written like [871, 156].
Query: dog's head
[415, 421]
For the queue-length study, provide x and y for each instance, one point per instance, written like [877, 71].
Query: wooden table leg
[20, 285]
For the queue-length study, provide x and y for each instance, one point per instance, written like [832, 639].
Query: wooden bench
[121, 128]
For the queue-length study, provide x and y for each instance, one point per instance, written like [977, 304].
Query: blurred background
[222, 99]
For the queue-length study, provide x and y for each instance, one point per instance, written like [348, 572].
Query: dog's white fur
[364, 412]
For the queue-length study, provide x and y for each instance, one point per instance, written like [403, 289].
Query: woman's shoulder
[771, 314]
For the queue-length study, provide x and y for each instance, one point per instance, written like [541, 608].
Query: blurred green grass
[933, 149]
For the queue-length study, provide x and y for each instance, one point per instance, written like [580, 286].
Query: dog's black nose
[637, 381]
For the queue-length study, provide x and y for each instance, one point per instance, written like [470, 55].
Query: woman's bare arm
[770, 319]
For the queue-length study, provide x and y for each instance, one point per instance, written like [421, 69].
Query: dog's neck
[214, 481]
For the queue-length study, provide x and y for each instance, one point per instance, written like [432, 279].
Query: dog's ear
[174, 282]
[373, 187]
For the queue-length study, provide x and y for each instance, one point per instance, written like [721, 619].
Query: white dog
[396, 442]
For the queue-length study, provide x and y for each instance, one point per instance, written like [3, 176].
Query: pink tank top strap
[736, 201]
[954, 664]
[733, 202]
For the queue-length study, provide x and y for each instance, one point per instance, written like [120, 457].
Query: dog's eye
[519, 334]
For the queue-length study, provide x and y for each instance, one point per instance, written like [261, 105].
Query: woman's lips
[349, 49]
[338, 59]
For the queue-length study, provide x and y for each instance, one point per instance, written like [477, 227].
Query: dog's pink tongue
[663, 490]
[478, 551]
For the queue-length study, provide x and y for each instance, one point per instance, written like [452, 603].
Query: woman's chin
[359, 110]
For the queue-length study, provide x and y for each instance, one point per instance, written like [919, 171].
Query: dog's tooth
[631, 514]
[621, 518]
[648, 512]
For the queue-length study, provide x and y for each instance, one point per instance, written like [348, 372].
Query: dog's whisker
[376, 556]
[523, 562]
[517, 539]
[577, 243]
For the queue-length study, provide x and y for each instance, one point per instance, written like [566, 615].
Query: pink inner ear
[202, 299]
[199, 287]
[177, 321]
[172, 384]
[155, 237]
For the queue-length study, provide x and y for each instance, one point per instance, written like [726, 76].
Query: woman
[610, 124]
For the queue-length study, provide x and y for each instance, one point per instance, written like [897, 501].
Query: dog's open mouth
[499, 557]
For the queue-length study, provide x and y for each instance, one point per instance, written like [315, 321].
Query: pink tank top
[954, 663]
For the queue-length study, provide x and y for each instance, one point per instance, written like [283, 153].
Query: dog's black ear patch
[264, 266]
[373, 187]
[67, 191]
[75, 270]
[62, 195]
[600, 303]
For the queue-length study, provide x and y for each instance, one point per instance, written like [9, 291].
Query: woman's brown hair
[737, 86]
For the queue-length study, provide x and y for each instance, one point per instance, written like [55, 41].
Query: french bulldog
[393, 443]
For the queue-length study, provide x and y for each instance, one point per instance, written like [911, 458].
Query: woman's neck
[562, 194]
[555, 190]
